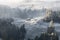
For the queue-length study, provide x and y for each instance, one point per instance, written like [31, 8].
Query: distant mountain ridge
[6, 11]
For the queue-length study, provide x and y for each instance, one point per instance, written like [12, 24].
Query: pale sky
[14, 3]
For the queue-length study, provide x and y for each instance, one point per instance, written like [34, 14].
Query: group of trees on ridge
[54, 15]
[9, 31]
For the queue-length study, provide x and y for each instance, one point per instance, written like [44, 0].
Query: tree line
[9, 31]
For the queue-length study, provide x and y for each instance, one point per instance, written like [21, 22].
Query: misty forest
[29, 24]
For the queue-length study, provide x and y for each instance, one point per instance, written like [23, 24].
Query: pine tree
[36, 38]
[29, 39]
[22, 32]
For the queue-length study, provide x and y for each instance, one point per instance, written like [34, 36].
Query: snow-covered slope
[33, 19]
[35, 26]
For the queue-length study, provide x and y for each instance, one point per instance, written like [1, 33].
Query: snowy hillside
[33, 19]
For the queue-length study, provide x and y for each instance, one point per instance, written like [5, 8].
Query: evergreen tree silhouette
[29, 39]
[36, 38]
[22, 32]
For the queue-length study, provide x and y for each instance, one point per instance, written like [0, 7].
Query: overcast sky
[45, 3]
